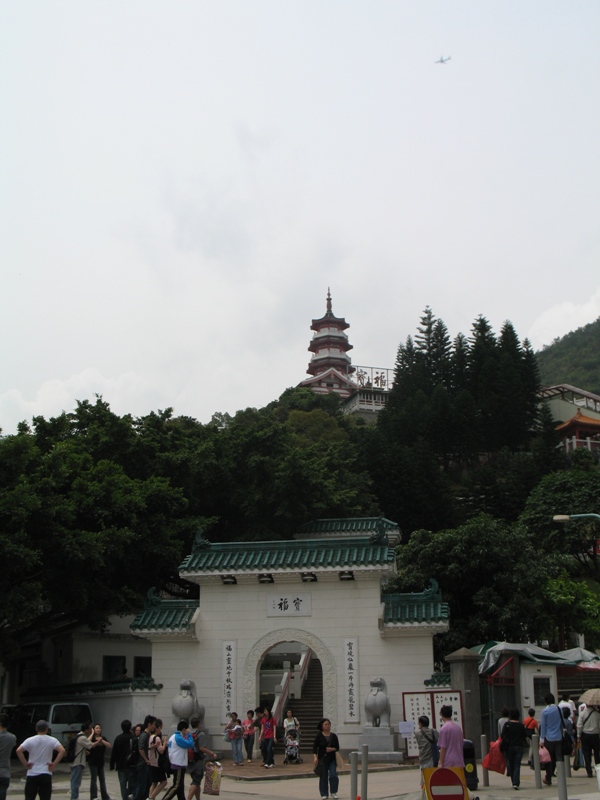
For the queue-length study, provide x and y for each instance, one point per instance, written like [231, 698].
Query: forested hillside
[95, 507]
[573, 358]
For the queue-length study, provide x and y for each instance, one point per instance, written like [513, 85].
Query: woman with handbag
[325, 747]
[513, 744]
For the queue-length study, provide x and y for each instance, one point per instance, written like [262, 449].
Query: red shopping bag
[495, 761]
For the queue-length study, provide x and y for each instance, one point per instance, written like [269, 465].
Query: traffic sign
[445, 783]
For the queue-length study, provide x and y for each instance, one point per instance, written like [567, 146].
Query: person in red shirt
[531, 726]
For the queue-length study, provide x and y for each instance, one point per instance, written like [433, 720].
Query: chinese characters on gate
[352, 683]
[228, 680]
[289, 605]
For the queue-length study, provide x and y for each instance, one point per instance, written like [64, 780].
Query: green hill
[573, 358]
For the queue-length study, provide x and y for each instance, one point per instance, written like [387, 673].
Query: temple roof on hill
[580, 421]
[284, 558]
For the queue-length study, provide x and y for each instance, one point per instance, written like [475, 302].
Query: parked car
[64, 719]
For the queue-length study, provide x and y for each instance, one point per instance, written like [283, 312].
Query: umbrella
[591, 697]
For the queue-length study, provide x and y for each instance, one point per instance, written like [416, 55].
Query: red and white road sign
[446, 783]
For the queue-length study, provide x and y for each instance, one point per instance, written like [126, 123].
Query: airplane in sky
[443, 60]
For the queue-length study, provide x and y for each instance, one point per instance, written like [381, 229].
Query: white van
[64, 719]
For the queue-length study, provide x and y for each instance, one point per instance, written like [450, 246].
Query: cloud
[123, 392]
[562, 318]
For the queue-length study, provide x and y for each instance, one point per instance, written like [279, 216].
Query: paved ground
[297, 782]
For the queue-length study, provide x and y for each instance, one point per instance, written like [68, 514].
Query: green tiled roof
[348, 525]
[172, 616]
[415, 607]
[289, 556]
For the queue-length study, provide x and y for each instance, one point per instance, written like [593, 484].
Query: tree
[490, 573]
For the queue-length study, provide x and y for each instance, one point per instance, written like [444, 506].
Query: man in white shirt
[40, 766]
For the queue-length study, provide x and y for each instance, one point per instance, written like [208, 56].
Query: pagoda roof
[581, 421]
[329, 317]
[344, 380]
[289, 558]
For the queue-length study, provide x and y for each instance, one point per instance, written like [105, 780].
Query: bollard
[364, 775]
[535, 754]
[353, 775]
[484, 752]
[561, 780]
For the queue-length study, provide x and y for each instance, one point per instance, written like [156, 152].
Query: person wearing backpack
[428, 748]
[77, 751]
[124, 748]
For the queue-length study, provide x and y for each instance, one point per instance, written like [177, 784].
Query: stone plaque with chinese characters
[351, 681]
[228, 682]
[289, 605]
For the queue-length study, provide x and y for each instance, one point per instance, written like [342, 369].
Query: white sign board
[417, 704]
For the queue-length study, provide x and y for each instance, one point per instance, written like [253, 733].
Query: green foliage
[490, 573]
[573, 359]
[454, 408]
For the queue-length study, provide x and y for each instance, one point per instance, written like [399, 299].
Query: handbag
[567, 742]
[495, 760]
[545, 757]
[318, 768]
[339, 761]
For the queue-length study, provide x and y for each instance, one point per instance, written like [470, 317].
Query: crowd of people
[145, 758]
[564, 731]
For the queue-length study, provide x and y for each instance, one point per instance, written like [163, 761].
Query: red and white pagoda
[363, 390]
[330, 365]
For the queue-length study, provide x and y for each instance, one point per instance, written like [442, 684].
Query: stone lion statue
[377, 704]
[185, 704]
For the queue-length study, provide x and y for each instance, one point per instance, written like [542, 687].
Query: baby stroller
[292, 747]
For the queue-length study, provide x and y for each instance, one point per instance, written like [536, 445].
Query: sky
[181, 182]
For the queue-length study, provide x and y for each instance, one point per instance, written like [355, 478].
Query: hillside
[573, 358]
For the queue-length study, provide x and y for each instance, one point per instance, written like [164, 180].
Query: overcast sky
[181, 181]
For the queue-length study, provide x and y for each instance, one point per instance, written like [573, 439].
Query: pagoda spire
[329, 311]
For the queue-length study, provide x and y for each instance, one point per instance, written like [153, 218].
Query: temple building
[305, 624]
[577, 414]
[363, 390]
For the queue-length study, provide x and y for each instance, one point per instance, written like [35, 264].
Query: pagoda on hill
[330, 365]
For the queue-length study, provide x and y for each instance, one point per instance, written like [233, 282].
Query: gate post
[464, 677]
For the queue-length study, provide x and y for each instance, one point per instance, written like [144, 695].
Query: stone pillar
[464, 676]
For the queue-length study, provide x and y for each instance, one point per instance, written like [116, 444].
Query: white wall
[340, 610]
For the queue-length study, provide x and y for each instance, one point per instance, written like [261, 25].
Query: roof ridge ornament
[199, 541]
[380, 536]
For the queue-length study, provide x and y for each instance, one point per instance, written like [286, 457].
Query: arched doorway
[273, 638]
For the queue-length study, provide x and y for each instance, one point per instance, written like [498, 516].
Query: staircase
[309, 710]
